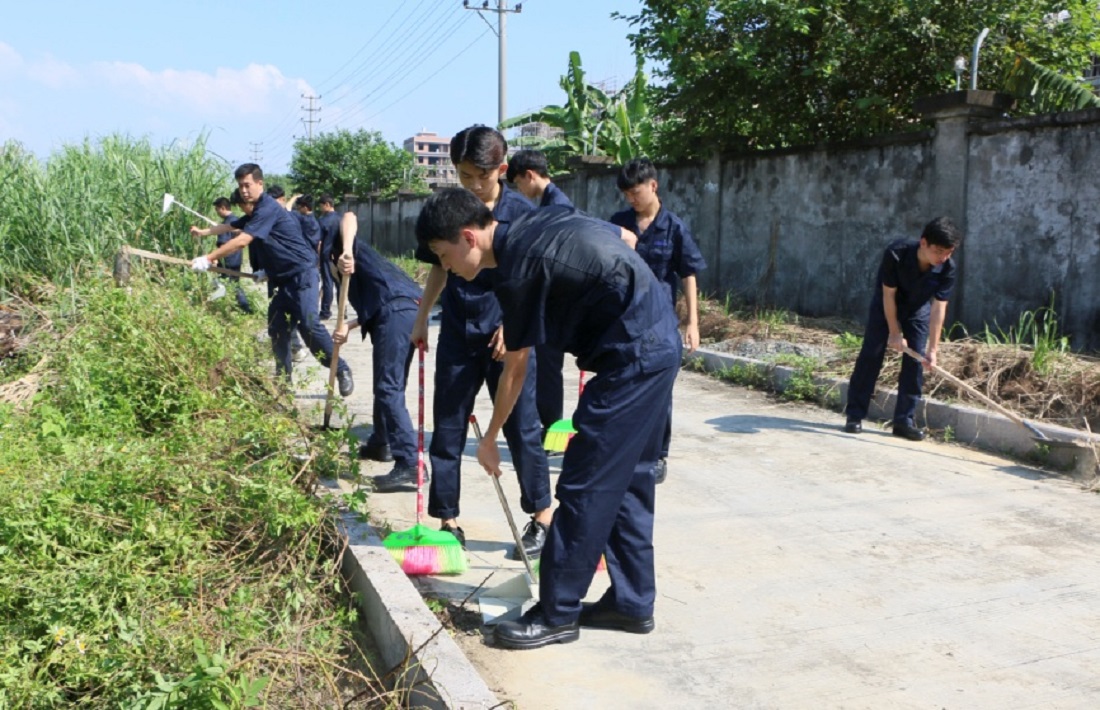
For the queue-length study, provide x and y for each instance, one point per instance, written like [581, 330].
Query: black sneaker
[379, 452]
[401, 478]
[534, 536]
[456, 531]
[660, 471]
[908, 431]
[347, 384]
[853, 426]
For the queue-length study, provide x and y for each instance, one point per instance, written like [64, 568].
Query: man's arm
[509, 388]
[211, 231]
[629, 237]
[691, 300]
[935, 328]
[233, 246]
[890, 310]
[437, 279]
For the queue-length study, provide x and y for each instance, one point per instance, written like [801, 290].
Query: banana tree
[1045, 90]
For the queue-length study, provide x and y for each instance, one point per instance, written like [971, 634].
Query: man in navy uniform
[311, 229]
[908, 307]
[470, 352]
[291, 265]
[567, 279]
[330, 229]
[224, 207]
[385, 300]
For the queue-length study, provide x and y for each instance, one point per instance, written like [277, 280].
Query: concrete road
[800, 567]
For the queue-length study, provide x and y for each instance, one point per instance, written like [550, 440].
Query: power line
[502, 49]
[310, 111]
[366, 44]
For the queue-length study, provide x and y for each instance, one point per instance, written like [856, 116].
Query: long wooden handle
[341, 306]
[976, 393]
[183, 262]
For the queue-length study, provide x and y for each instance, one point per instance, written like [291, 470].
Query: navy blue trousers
[606, 494]
[328, 284]
[861, 387]
[549, 385]
[294, 307]
[460, 370]
[392, 353]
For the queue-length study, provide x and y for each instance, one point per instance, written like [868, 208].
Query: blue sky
[170, 71]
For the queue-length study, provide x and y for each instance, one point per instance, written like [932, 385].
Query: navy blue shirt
[470, 306]
[376, 282]
[311, 229]
[666, 245]
[900, 269]
[233, 261]
[553, 195]
[568, 280]
[285, 251]
[330, 230]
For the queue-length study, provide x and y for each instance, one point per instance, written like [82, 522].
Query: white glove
[200, 263]
[260, 276]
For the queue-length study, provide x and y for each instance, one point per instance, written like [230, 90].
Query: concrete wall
[804, 229]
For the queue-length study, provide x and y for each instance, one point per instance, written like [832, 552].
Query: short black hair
[222, 202]
[483, 146]
[249, 169]
[942, 232]
[636, 172]
[276, 191]
[445, 214]
[524, 160]
[305, 201]
[235, 198]
[326, 199]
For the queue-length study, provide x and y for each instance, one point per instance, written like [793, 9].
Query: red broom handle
[420, 439]
[580, 385]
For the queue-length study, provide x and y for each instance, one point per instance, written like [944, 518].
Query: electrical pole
[501, 30]
[257, 151]
[311, 120]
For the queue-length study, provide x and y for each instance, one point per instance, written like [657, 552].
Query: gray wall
[804, 229]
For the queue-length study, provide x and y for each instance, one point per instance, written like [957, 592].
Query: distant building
[432, 155]
[537, 129]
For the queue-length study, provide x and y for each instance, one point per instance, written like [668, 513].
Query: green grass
[1037, 330]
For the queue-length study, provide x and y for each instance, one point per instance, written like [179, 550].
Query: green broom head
[421, 550]
[558, 436]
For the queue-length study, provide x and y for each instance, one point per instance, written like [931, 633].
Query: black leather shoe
[599, 616]
[660, 471]
[347, 384]
[534, 536]
[853, 426]
[457, 532]
[532, 631]
[399, 479]
[907, 431]
[376, 452]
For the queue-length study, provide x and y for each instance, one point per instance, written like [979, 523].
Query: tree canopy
[359, 163]
[743, 74]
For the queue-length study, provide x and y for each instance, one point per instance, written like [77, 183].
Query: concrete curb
[977, 427]
[440, 676]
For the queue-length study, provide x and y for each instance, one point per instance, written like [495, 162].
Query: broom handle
[976, 393]
[507, 511]
[341, 306]
[182, 262]
[580, 385]
[420, 347]
[200, 216]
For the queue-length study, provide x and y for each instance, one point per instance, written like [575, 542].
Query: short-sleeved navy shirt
[553, 195]
[376, 282]
[900, 269]
[330, 231]
[234, 260]
[470, 306]
[666, 245]
[285, 251]
[567, 280]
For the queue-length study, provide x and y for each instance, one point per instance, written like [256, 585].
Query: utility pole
[311, 120]
[257, 151]
[501, 30]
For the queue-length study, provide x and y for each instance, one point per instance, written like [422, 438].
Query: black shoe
[534, 536]
[376, 452]
[325, 316]
[399, 479]
[853, 426]
[347, 384]
[599, 616]
[456, 531]
[532, 631]
[908, 431]
[660, 470]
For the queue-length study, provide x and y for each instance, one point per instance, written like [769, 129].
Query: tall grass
[1036, 330]
[60, 218]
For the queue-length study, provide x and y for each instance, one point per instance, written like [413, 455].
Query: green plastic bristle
[421, 550]
[558, 435]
